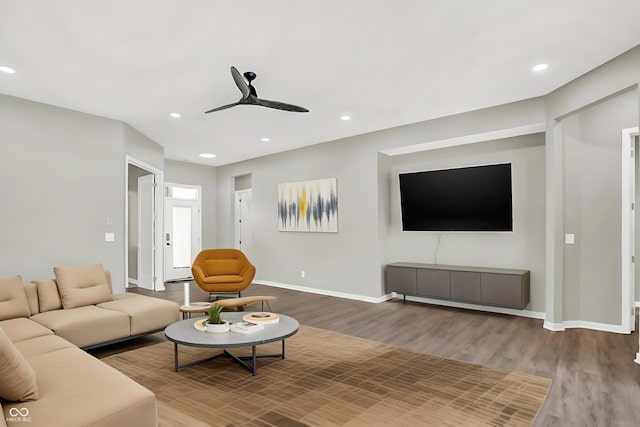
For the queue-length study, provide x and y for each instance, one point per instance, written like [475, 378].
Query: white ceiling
[385, 63]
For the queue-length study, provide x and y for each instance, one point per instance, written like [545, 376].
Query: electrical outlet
[302, 274]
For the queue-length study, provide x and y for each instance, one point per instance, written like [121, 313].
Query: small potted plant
[215, 323]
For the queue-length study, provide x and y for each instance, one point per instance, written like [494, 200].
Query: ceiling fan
[250, 97]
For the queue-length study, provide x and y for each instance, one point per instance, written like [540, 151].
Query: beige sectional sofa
[46, 377]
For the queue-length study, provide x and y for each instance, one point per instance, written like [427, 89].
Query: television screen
[474, 198]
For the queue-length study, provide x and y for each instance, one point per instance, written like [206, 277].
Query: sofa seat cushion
[225, 278]
[18, 379]
[145, 313]
[82, 286]
[42, 345]
[77, 389]
[21, 329]
[86, 326]
[13, 298]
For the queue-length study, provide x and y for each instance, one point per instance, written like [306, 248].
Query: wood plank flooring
[595, 380]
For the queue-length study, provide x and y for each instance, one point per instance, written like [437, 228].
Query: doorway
[143, 215]
[182, 229]
[243, 223]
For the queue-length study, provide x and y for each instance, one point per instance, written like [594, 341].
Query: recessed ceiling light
[207, 155]
[540, 67]
[176, 115]
[265, 139]
[7, 70]
[345, 118]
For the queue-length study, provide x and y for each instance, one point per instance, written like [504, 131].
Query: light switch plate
[109, 237]
[569, 239]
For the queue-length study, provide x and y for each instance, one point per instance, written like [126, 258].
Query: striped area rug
[331, 379]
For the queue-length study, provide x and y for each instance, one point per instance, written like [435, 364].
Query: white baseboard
[637, 360]
[593, 325]
[637, 304]
[324, 292]
[491, 309]
[572, 324]
[523, 313]
[132, 282]
[555, 327]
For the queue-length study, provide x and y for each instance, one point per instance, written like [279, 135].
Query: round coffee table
[183, 332]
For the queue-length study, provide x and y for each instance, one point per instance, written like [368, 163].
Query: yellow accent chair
[222, 271]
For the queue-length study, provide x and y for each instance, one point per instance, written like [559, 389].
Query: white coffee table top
[183, 332]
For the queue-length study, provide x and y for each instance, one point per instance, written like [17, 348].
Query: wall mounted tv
[476, 198]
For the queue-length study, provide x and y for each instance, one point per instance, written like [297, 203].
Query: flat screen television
[476, 198]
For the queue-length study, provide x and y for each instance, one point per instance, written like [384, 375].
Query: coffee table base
[240, 359]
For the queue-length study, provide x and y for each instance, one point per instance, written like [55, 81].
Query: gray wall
[142, 148]
[352, 260]
[521, 249]
[592, 208]
[204, 176]
[346, 261]
[583, 114]
[62, 176]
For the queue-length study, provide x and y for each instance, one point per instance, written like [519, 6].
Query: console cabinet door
[433, 283]
[401, 280]
[465, 286]
[503, 290]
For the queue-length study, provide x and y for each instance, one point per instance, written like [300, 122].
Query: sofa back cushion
[13, 299]
[32, 297]
[48, 295]
[18, 379]
[83, 285]
[217, 267]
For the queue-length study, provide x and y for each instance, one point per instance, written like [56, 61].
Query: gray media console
[498, 287]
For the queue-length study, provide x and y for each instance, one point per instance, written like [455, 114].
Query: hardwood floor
[595, 380]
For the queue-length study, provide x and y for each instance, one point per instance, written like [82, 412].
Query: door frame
[628, 225]
[159, 217]
[198, 220]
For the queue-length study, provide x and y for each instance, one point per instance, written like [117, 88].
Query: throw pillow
[48, 295]
[81, 286]
[13, 299]
[18, 379]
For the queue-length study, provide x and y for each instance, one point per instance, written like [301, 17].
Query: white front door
[146, 231]
[243, 232]
[182, 235]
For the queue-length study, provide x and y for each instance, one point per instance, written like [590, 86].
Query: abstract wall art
[308, 206]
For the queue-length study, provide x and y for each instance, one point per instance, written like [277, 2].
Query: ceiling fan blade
[240, 82]
[280, 105]
[224, 107]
